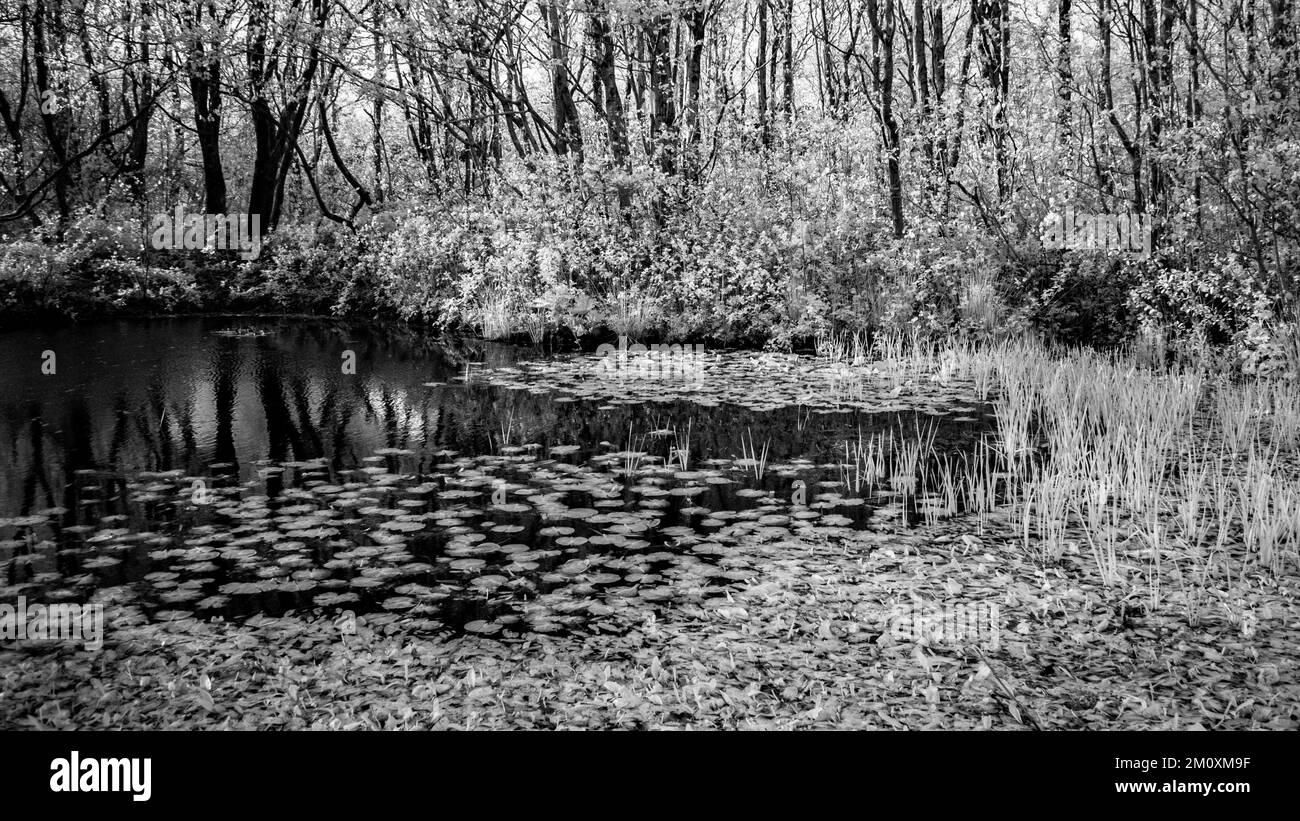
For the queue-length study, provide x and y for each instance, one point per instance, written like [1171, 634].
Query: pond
[229, 466]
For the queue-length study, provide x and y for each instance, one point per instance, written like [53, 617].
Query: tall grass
[496, 318]
[1167, 455]
[1119, 455]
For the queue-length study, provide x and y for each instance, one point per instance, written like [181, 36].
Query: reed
[803, 415]
[535, 323]
[941, 501]
[681, 450]
[979, 482]
[948, 483]
[1101, 516]
[1239, 410]
[495, 315]
[847, 348]
[1269, 509]
[633, 454]
[863, 463]
[1282, 409]
[505, 428]
[753, 459]
[1046, 514]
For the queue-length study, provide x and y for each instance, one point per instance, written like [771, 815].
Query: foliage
[1215, 301]
[1074, 298]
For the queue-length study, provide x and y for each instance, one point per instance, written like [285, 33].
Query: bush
[779, 253]
[308, 268]
[1270, 345]
[1215, 301]
[1074, 298]
[39, 276]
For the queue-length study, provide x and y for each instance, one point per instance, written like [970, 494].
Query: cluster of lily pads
[757, 380]
[517, 540]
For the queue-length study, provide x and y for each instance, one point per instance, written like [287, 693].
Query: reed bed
[1117, 455]
[1183, 463]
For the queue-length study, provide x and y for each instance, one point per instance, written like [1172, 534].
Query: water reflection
[177, 394]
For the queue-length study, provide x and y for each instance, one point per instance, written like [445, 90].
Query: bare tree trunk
[663, 115]
[995, 43]
[696, 19]
[204, 66]
[760, 64]
[787, 70]
[602, 37]
[938, 77]
[1194, 93]
[377, 109]
[883, 25]
[139, 106]
[1131, 145]
[568, 130]
[1157, 35]
[1064, 73]
[922, 76]
[54, 119]
[275, 136]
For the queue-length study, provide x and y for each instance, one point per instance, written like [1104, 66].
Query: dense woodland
[721, 168]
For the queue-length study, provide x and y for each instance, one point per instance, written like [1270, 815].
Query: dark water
[173, 394]
[233, 466]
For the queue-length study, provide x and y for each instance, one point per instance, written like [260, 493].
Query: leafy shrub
[1215, 301]
[1270, 345]
[38, 275]
[131, 284]
[1075, 298]
[310, 268]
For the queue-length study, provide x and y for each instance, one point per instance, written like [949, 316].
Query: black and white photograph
[650, 365]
